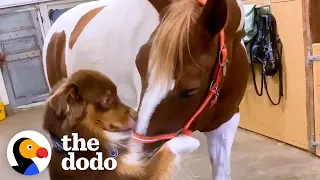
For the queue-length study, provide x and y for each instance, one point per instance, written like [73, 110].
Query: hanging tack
[269, 3]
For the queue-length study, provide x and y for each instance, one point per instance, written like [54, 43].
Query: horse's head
[176, 63]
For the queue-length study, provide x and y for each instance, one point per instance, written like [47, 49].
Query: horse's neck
[235, 20]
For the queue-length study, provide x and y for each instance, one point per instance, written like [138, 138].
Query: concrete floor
[254, 157]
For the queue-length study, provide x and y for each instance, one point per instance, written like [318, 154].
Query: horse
[181, 64]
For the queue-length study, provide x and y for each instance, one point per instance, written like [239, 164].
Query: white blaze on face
[151, 99]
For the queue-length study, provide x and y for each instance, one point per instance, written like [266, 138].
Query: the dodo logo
[29, 153]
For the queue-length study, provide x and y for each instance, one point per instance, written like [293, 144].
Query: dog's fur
[87, 103]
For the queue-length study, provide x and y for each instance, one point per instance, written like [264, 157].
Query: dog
[87, 103]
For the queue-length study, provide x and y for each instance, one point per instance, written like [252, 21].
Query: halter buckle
[212, 88]
[179, 132]
[215, 97]
[211, 85]
[223, 59]
[184, 131]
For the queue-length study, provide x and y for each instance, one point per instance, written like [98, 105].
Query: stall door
[21, 42]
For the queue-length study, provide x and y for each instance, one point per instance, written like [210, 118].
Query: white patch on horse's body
[110, 42]
[66, 22]
[220, 143]
[240, 4]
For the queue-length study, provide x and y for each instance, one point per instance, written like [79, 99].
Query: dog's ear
[67, 101]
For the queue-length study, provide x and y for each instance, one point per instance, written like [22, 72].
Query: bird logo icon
[29, 153]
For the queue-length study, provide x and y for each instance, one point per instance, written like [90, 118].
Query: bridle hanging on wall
[265, 49]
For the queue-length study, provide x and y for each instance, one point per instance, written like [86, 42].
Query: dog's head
[87, 102]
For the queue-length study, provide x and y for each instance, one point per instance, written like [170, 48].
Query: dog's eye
[106, 102]
[186, 93]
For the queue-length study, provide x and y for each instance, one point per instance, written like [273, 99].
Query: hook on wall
[264, 8]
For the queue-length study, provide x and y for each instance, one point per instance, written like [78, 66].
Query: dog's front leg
[162, 164]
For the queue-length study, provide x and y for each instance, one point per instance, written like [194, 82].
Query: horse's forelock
[171, 39]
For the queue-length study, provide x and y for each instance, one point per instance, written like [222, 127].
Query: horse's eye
[186, 93]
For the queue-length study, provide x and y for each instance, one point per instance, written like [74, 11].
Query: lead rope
[279, 55]
[254, 74]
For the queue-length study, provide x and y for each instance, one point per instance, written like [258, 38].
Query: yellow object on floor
[2, 111]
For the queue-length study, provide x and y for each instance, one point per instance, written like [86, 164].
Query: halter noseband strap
[211, 99]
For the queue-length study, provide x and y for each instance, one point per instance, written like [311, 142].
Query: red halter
[211, 99]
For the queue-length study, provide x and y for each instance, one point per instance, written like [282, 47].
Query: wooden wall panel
[255, 2]
[286, 122]
[316, 75]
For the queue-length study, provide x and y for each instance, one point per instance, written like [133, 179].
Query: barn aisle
[254, 157]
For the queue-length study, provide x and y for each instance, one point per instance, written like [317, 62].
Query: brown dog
[87, 103]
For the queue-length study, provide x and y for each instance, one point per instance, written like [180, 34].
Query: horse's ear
[214, 16]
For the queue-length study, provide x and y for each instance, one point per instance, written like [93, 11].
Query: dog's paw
[183, 144]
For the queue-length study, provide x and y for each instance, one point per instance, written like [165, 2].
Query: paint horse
[180, 63]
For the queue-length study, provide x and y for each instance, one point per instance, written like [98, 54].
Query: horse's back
[58, 36]
[106, 36]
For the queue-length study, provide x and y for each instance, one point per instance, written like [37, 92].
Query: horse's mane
[171, 39]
